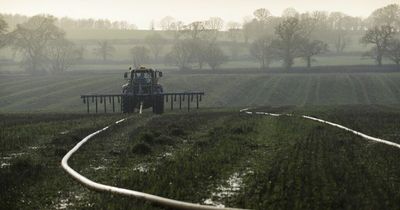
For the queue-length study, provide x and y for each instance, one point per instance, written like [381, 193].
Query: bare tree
[155, 43]
[262, 14]
[308, 49]
[309, 23]
[212, 26]
[176, 29]
[247, 28]
[388, 15]
[233, 25]
[152, 25]
[140, 56]
[3, 32]
[393, 52]
[290, 13]
[379, 36]
[104, 49]
[198, 37]
[261, 25]
[234, 33]
[338, 32]
[32, 38]
[341, 40]
[167, 23]
[194, 29]
[289, 37]
[62, 54]
[262, 50]
[214, 56]
[82, 51]
[199, 51]
[180, 54]
[214, 23]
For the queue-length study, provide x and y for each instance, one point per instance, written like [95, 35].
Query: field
[214, 156]
[60, 93]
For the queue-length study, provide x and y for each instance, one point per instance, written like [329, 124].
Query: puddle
[18, 154]
[228, 189]
[64, 204]
[167, 154]
[209, 201]
[34, 147]
[141, 168]
[68, 202]
[7, 159]
[231, 186]
[3, 165]
[99, 168]
[64, 132]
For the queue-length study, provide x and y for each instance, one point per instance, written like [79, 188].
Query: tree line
[41, 43]
[293, 35]
[67, 23]
[44, 47]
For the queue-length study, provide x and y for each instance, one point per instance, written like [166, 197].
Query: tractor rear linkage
[113, 98]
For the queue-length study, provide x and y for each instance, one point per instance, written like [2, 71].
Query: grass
[32, 146]
[277, 163]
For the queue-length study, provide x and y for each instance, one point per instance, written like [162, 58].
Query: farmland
[212, 156]
[60, 93]
[245, 107]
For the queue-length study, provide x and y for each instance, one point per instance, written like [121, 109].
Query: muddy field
[216, 157]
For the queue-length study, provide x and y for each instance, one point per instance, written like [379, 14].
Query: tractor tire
[158, 105]
[161, 105]
[128, 105]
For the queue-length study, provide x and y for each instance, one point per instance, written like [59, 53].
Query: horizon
[179, 9]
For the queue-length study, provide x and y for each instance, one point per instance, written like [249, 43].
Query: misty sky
[142, 12]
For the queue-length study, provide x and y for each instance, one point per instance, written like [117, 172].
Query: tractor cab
[142, 81]
[143, 75]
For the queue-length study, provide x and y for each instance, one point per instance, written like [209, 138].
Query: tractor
[142, 91]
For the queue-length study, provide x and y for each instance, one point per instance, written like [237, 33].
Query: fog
[141, 13]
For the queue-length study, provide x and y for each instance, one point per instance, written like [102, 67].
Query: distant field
[122, 55]
[60, 93]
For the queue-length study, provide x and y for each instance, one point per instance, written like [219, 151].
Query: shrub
[164, 140]
[177, 132]
[142, 149]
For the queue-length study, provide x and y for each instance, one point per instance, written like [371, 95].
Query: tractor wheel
[128, 105]
[161, 104]
[158, 105]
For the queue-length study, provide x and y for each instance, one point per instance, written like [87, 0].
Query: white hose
[365, 136]
[126, 192]
[175, 203]
[141, 107]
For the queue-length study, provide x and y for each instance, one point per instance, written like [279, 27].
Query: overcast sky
[142, 12]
